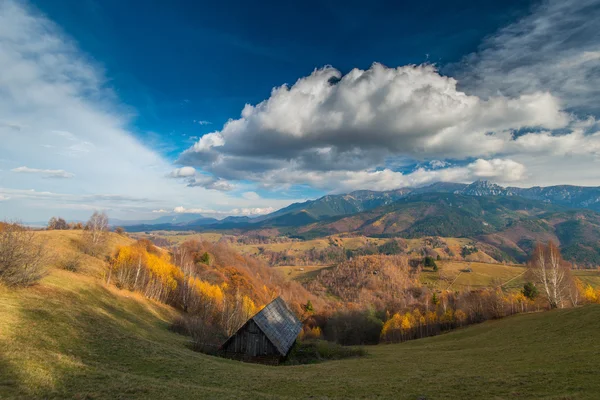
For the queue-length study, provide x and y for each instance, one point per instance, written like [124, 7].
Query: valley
[299, 200]
[90, 327]
[72, 336]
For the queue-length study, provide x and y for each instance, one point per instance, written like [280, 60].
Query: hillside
[64, 245]
[512, 225]
[508, 220]
[71, 336]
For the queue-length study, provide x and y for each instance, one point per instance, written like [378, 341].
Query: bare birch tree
[551, 273]
[183, 258]
[95, 234]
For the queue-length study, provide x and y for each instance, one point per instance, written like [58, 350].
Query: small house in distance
[267, 337]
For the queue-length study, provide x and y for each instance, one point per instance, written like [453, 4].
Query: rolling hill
[71, 336]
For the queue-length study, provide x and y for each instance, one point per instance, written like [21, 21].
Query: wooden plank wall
[251, 342]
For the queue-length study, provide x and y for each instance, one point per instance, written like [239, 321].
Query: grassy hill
[65, 245]
[71, 336]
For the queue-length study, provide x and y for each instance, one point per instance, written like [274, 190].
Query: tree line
[381, 299]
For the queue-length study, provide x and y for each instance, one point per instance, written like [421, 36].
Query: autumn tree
[309, 307]
[76, 225]
[591, 295]
[95, 233]
[183, 257]
[551, 273]
[57, 224]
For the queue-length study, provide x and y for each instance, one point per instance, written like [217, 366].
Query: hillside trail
[513, 278]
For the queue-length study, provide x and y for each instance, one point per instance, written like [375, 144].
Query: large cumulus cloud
[330, 128]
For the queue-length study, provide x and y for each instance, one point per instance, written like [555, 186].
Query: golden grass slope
[73, 337]
[63, 245]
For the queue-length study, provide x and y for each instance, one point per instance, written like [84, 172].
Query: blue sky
[379, 95]
[178, 62]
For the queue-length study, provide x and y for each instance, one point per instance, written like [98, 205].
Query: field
[588, 277]
[301, 273]
[179, 237]
[453, 275]
[73, 337]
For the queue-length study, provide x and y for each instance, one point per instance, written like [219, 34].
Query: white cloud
[338, 133]
[525, 97]
[250, 195]
[57, 114]
[3, 197]
[366, 117]
[209, 182]
[183, 172]
[252, 211]
[47, 173]
[499, 170]
[555, 48]
[436, 164]
[203, 122]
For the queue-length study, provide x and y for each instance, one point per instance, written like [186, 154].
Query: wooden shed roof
[279, 324]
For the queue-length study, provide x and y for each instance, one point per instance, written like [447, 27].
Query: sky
[143, 109]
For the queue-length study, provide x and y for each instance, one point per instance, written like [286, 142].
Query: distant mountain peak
[484, 188]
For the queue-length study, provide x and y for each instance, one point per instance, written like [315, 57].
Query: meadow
[72, 336]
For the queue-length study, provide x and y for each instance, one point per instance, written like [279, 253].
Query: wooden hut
[267, 337]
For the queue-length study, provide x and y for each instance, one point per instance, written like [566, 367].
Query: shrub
[429, 262]
[21, 256]
[57, 224]
[530, 291]
[71, 263]
[315, 351]
[390, 248]
[354, 328]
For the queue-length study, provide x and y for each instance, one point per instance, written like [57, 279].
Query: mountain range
[509, 220]
[329, 206]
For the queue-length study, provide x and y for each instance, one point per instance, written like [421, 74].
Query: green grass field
[451, 276]
[511, 277]
[73, 337]
[588, 277]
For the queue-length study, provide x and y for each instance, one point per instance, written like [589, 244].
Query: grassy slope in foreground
[73, 337]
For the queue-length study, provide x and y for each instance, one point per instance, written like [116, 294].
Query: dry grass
[511, 277]
[300, 273]
[72, 337]
[451, 277]
[180, 237]
[588, 277]
[65, 245]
